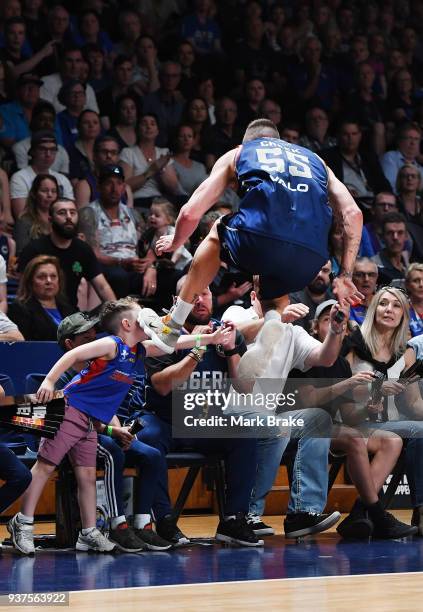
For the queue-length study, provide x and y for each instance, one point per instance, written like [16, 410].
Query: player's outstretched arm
[203, 198]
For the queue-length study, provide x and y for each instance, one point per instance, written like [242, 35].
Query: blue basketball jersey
[99, 389]
[283, 194]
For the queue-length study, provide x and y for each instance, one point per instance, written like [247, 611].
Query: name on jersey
[287, 184]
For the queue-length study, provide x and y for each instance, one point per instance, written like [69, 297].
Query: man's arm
[3, 298]
[102, 288]
[204, 197]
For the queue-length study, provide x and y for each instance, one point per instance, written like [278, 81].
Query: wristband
[198, 344]
[239, 349]
[196, 354]
[109, 430]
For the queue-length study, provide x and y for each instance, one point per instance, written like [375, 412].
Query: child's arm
[105, 348]
[221, 336]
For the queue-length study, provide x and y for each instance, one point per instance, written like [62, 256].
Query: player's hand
[46, 391]
[165, 245]
[236, 291]
[293, 312]
[124, 436]
[346, 292]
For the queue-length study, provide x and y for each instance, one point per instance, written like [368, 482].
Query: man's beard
[192, 319]
[317, 287]
[64, 232]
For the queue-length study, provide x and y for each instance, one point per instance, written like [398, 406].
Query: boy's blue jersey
[284, 194]
[99, 389]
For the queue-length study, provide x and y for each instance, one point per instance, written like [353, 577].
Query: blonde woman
[381, 345]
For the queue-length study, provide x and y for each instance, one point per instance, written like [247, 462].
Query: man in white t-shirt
[43, 154]
[279, 348]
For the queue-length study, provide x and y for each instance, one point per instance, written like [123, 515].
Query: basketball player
[280, 232]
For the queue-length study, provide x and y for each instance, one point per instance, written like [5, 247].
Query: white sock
[26, 520]
[230, 516]
[141, 520]
[272, 314]
[117, 520]
[181, 311]
[87, 530]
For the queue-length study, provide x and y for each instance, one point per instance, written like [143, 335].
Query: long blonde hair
[400, 336]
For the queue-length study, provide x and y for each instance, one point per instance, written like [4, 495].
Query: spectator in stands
[225, 134]
[315, 293]
[73, 97]
[7, 243]
[70, 69]
[189, 77]
[392, 260]
[408, 148]
[206, 91]
[35, 219]
[358, 169]
[167, 102]
[291, 132]
[380, 344]
[13, 52]
[367, 517]
[146, 166]
[106, 151]
[111, 228]
[145, 77]
[89, 32]
[130, 30]
[82, 153]
[201, 29]
[3, 285]
[99, 77]
[190, 366]
[5, 85]
[414, 286]
[316, 135]
[196, 115]
[409, 185]
[190, 173]
[252, 55]
[249, 107]
[43, 154]
[43, 118]
[7, 217]
[16, 116]
[58, 25]
[269, 109]
[372, 239]
[122, 83]
[409, 45]
[77, 258]
[365, 277]
[40, 304]
[125, 120]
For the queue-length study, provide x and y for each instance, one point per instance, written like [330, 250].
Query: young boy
[94, 394]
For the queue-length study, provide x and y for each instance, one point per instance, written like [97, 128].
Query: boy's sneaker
[257, 525]
[167, 529]
[151, 540]
[126, 540]
[237, 531]
[357, 525]
[163, 332]
[94, 540]
[300, 524]
[22, 535]
[390, 528]
[417, 519]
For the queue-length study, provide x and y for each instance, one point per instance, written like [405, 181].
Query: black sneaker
[167, 529]
[126, 540]
[257, 525]
[151, 540]
[237, 531]
[417, 520]
[390, 528]
[355, 527]
[299, 524]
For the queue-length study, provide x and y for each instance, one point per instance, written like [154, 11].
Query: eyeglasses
[364, 274]
[389, 288]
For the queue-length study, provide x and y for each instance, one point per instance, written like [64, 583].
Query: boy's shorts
[75, 438]
[283, 267]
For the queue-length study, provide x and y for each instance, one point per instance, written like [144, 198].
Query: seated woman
[190, 173]
[40, 306]
[125, 121]
[381, 345]
[409, 185]
[148, 169]
[35, 221]
[197, 116]
[82, 152]
[335, 388]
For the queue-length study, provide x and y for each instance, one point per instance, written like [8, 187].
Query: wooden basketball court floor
[321, 574]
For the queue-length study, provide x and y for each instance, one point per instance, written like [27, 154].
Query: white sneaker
[159, 330]
[94, 540]
[22, 535]
[254, 363]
